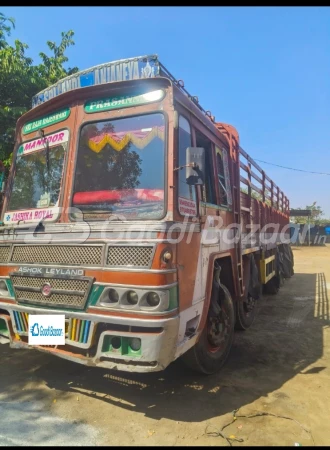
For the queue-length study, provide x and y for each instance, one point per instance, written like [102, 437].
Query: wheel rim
[218, 331]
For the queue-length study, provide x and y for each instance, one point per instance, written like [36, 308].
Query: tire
[246, 308]
[290, 252]
[287, 260]
[205, 357]
[279, 267]
[273, 286]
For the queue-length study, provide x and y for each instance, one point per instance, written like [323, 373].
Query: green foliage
[316, 218]
[257, 196]
[5, 29]
[20, 79]
[52, 68]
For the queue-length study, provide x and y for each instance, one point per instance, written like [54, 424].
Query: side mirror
[195, 165]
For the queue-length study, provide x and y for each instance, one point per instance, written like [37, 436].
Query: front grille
[66, 293]
[4, 253]
[58, 254]
[79, 330]
[124, 255]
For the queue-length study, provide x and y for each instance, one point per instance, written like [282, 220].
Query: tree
[315, 219]
[5, 29]
[20, 79]
[52, 68]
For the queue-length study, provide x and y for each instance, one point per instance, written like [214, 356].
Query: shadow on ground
[285, 339]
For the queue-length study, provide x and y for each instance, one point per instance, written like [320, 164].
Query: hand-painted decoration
[187, 207]
[32, 215]
[123, 101]
[46, 121]
[121, 70]
[39, 144]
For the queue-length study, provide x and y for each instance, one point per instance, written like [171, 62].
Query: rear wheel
[246, 312]
[287, 260]
[246, 307]
[211, 351]
[272, 286]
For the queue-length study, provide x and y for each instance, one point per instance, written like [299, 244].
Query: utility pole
[309, 224]
[309, 231]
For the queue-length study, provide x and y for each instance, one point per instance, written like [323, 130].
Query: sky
[264, 70]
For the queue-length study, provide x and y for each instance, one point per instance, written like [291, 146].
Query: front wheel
[211, 351]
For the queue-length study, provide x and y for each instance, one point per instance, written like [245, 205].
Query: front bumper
[158, 339]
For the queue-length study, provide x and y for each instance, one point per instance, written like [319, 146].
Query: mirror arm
[193, 165]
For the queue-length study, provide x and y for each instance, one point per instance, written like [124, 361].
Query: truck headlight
[132, 297]
[150, 300]
[112, 297]
[153, 299]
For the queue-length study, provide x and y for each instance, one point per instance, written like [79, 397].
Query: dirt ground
[279, 366]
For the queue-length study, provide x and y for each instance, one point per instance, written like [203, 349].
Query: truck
[137, 217]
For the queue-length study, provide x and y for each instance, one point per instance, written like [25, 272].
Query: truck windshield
[37, 183]
[120, 168]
